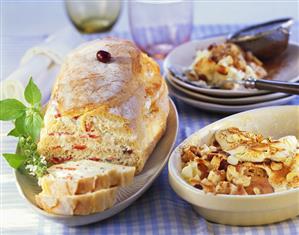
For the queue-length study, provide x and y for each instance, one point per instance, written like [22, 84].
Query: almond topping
[276, 166]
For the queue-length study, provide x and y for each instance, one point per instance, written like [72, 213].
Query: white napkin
[42, 62]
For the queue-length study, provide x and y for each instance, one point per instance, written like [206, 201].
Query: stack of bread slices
[82, 187]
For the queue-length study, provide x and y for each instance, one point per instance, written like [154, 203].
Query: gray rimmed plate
[224, 108]
[284, 67]
[227, 100]
[28, 187]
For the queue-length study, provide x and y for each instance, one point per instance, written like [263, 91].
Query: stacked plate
[229, 101]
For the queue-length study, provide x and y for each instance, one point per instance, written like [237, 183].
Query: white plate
[221, 108]
[226, 100]
[28, 187]
[239, 209]
[183, 56]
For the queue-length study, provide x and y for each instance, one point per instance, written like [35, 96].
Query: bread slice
[84, 176]
[77, 204]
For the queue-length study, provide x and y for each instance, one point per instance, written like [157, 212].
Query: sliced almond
[276, 166]
[232, 160]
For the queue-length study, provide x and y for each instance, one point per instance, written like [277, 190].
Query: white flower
[43, 160]
[29, 167]
[34, 168]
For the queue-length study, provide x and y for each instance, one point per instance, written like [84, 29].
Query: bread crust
[77, 204]
[85, 83]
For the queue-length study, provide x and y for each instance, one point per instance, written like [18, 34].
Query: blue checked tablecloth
[159, 210]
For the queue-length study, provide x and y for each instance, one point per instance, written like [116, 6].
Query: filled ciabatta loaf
[109, 103]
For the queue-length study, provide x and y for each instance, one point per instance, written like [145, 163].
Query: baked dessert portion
[220, 63]
[85, 176]
[113, 110]
[242, 163]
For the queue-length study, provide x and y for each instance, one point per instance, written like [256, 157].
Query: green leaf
[33, 124]
[14, 132]
[20, 124]
[14, 160]
[32, 93]
[11, 109]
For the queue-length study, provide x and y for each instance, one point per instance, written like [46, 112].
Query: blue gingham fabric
[159, 211]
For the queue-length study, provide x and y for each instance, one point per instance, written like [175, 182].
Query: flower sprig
[28, 122]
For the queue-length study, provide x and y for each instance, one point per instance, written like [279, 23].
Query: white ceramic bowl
[236, 209]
